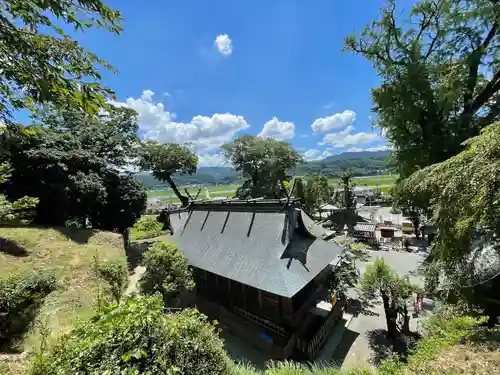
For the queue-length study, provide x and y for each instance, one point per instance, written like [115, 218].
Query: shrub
[146, 227]
[116, 276]
[137, 337]
[167, 272]
[20, 298]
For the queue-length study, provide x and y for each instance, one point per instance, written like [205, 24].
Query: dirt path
[133, 280]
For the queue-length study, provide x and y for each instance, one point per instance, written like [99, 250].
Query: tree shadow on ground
[356, 307]
[381, 345]
[340, 354]
[384, 346]
[134, 253]
[13, 248]
[13, 327]
[80, 236]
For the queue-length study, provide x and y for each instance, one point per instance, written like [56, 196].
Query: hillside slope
[70, 255]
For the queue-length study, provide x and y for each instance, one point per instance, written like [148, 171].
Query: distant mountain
[357, 155]
[364, 163]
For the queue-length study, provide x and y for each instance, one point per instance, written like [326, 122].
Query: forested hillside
[366, 163]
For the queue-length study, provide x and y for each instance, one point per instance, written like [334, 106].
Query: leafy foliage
[346, 200]
[380, 279]
[42, 64]
[137, 337]
[440, 76]
[116, 276]
[347, 273]
[263, 162]
[71, 182]
[463, 194]
[18, 210]
[20, 298]
[316, 193]
[146, 227]
[163, 160]
[167, 272]
[110, 135]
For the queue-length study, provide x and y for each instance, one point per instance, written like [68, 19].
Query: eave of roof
[270, 247]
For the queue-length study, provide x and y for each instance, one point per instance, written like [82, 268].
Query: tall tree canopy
[315, 193]
[346, 199]
[464, 195]
[41, 63]
[70, 181]
[440, 72]
[110, 135]
[263, 161]
[164, 160]
[22, 208]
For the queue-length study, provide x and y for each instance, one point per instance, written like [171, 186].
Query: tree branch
[474, 61]
[489, 90]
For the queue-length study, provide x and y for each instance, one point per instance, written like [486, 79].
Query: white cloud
[212, 160]
[224, 44]
[314, 154]
[346, 138]
[205, 133]
[278, 130]
[333, 122]
[355, 149]
[376, 148]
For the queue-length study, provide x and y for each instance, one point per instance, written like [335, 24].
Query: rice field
[384, 183]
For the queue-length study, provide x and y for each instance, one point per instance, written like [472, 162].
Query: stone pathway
[133, 280]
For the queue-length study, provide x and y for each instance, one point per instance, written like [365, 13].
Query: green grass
[385, 182]
[146, 227]
[71, 261]
[368, 181]
[194, 191]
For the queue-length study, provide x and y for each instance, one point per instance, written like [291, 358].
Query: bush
[146, 227]
[137, 337]
[115, 275]
[20, 298]
[167, 272]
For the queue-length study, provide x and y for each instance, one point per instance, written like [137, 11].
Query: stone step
[326, 354]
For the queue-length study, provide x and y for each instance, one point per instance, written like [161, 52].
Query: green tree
[41, 63]
[110, 134]
[440, 76]
[380, 280]
[137, 337]
[346, 274]
[346, 199]
[316, 193]
[463, 194]
[115, 274]
[167, 272]
[70, 182]
[18, 210]
[22, 208]
[164, 160]
[264, 163]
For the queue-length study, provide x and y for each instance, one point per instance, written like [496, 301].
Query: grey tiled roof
[364, 227]
[263, 245]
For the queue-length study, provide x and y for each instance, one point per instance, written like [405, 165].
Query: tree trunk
[126, 239]
[390, 316]
[184, 200]
[406, 323]
[416, 224]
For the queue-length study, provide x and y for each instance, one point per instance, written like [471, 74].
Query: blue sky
[207, 71]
